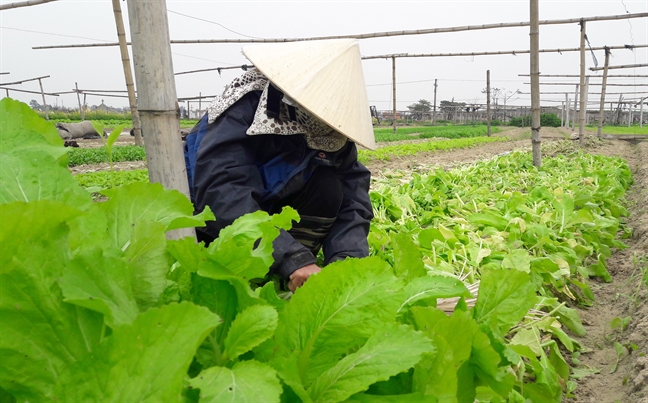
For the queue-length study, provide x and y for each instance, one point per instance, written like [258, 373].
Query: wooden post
[535, 84]
[599, 132]
[629, 114]
[618, 114]
[79, 100]
[640, 112]
[44, 102]
[488, 110]
[583, 105]
[7, 92]
[575, 108]
[562, 114]
[394, 90]
[434, 114]
[199, 104]
[567, 110]
[128, 74]
[84, 107]
[157, 97]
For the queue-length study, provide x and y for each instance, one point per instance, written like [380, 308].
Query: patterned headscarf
[318, 135]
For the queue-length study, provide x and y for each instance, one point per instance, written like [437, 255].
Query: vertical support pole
[7, 92]
[574, 118]
[629, 114]
[640, 112]
[562, 114]
[199, 105]
[434, 114]
[84, 107]
[79, 100]
[394, 90]
[158, 102]
[535, 84]
[488, 100]
[599, 132]
[567, 110]
[40, 82]
[128, 74]
[583, 105]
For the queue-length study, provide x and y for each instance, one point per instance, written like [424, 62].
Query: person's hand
[299, 277]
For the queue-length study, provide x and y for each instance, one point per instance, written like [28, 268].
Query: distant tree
[420, 109]
[449, 108]
[34, 105]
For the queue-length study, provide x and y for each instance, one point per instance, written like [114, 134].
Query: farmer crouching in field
[285, 134]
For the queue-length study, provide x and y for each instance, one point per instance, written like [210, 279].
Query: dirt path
[625, 297]
[451, 158]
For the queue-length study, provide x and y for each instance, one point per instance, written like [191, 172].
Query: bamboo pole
[379, 34]
[29, 92]
[593, 93]
[567, 110]
[159, 110]
[128, 74]
[627, 66]
[609, 85]
[435, 103]
[618, 114]
[576, 75]
[562, 114]
[494, 53]
[488, 101]
[44, 102]
[24, 81]
[599, 132]
[641, 113]
[4, 72]
[79, 100]
[244, 66]
[394, 90]
[534, 35]
[199, 104]
[583, 105]
[575, 108]
[23, 4]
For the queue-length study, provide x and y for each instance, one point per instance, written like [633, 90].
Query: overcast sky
[462, 78]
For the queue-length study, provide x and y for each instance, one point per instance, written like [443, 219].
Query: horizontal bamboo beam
[591, 93]
[590, 76]
[23, 4]
[503, 52]
[375, 34]
[82, 91]
[4, 72]
[607, 84]
[24, 81]
[105, 95]
[244, 67]
[627, 66]
[194, 98]
[29, 92]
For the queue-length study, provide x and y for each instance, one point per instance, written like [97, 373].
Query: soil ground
[626, 296]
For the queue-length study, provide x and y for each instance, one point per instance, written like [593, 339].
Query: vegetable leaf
[250, 328]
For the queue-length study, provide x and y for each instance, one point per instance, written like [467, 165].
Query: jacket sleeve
[348, 236]
[227, 180]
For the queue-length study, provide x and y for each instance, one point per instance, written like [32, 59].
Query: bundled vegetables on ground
[96, 305]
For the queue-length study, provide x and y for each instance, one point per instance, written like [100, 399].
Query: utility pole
[128, 74]
[157, 98]
[488, 110]
[535, 84]
[599, 132]
[434, 114]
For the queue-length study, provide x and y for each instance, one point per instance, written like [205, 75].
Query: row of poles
[157, 101]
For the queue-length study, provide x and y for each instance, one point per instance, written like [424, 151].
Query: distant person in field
[285, 134]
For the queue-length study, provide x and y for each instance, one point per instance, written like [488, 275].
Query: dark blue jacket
[235, 174]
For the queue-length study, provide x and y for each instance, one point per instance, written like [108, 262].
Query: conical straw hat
[324, 77]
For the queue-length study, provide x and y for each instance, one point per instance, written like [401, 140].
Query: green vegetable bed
[96, 304]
